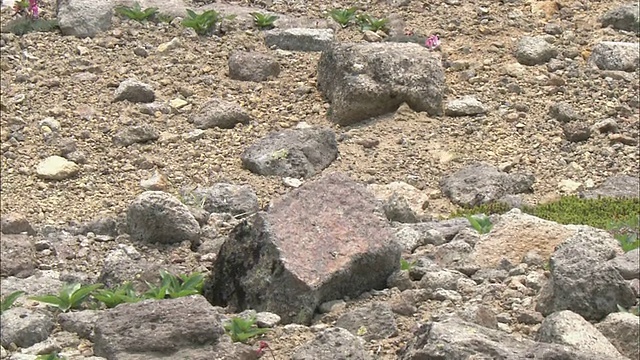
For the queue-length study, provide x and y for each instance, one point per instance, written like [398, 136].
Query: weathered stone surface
[84, 18]
[156, 216]
[628, 264]
[358, 86]
[25, 327]
[454, 338]
[159, 329]
[623, 186]
[581, 278]
[300, 152]
[79, 322]
[219, 113]
[18, 256]
[134, 91]
[620, 56]
[253, 66]
[623, 331]
[515, 235]
[534, 50]
[623, 17]
[415, 198]
[465, 106]
[228, 198]
[16, 223]
[332, 344]
[57, 168]
[373, 322]
[299, 39]
[481, 183]
[317, 243]
[568, 328]
[135, 134]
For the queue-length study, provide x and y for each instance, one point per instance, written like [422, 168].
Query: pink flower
[33, 8]
[432, 42]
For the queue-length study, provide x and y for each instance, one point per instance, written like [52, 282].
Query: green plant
[480, 223]
[24, 25]
[112, 298]
[240, 329]
[405, 265]
[635, 310]
[173, 286]
[71, 296]
[136, 13]
[368, 22]
[8, 301]
[204, 23]
[626, 231]
[343, 16]
[263, 21]
[51, 356]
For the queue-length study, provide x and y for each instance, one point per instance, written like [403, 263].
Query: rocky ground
[57, 99]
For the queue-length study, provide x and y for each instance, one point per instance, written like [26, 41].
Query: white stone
[57, 168]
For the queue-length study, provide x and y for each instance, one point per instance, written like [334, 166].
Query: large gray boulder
[331, 344]
[481, 183]
[318, 243]
[25, 327]
[227, 198]
[299, 39]
[582, 280]
[156, 216]
[534, 50]
[182, 328]
[623, 331]
[622, 186]
[298, 153]
[453, 338]
[18, 256]
[365, 80]
[568, 328]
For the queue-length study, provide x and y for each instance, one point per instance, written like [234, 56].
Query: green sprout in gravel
[343, 16]
[368, 22]
[24, 25]
[71, 296]
[8, 301]
[173, 286]
[635, 310]
[204, 23]
[627, 232]
[405, 265]
[480, 223]
[263, 21]
[241, 330]
[136, 13]
[112, 298]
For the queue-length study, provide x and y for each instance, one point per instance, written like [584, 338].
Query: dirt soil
[46, 75]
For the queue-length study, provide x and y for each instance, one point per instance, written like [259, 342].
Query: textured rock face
[318, 243]
[367, 80]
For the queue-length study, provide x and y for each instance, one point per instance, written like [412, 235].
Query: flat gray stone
[299, 39]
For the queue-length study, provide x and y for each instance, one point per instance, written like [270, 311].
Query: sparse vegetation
[24, 25]
[405, 265]
[71, 296]
[368, 22]
[343, 16]
[204, 23]
[618, 216]
[173, 286]
[136, 13]
[51, 356]
[115, 297]
[480, 223]
[8, 301]
[241, 330]
[264, 21]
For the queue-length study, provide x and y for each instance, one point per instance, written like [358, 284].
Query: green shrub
[51, 356]
[172, 286]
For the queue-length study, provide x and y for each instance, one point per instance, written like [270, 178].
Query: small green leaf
[8, 301]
